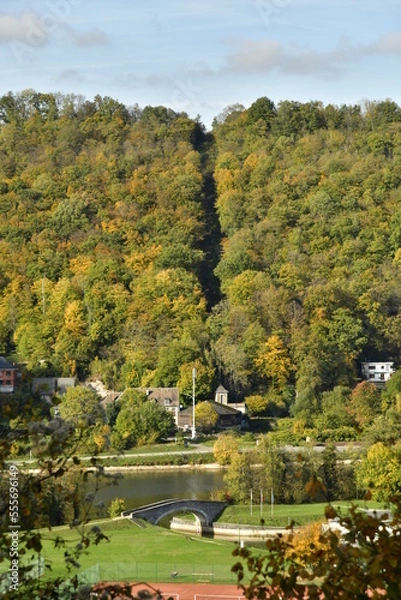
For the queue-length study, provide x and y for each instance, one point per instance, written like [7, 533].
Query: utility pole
[193, 403]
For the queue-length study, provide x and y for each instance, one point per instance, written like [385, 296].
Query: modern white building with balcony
[377, 372]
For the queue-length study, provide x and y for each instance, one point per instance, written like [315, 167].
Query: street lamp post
[193, 403]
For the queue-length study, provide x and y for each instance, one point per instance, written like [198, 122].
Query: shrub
[116, 507]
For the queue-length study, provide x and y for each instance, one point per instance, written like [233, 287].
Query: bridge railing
[126, 513]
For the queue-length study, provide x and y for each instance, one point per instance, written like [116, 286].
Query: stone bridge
[205, 511]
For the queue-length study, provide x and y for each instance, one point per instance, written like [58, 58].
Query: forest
[136, 245]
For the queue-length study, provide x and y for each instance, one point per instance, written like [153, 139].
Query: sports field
[186, 591]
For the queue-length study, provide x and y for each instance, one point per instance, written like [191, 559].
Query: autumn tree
[225, 447]
[238, 478]
[364, 403]
[206, 416]
[274, 362]
[380, 472]
[361, 563]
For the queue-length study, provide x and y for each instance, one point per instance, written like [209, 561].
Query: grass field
[153, 553]
[281, 515]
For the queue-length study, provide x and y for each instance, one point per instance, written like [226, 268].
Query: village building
[377, 372]
[166, 397]
[221, 397]
[229, 414]
[48, 387]
[8, 376]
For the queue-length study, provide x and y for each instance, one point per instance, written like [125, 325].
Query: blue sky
[200, 56]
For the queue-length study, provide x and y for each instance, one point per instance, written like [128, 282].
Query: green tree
[334, 413]
[263, 109]
[140, 422]
[116, 507]
[330, 472]
[385, 428]
[391, 395]
[81, 406]
[205, 377]
[270, 470]
[380, 471]
[364, 403]
[238, 478]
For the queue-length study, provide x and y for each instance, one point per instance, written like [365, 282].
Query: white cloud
[28, 28]
[255, 57]
[268, 55]
[35, 29]
[264, 56]
[389, 43]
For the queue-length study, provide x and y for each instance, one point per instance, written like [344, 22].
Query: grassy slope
[150, 545]
[137, 547]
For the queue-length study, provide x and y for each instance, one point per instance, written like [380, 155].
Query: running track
[187, 591]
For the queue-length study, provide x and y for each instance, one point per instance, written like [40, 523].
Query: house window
[167, 402]
[8, 373]
[371, 375]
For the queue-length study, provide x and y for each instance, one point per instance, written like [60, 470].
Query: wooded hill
[134, 245]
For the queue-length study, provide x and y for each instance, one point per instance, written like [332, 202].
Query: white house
[377, 372]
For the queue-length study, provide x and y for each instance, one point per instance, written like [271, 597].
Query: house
[166, 397]
[8, 376]
[227, 417]
[230, 414]
[221, 397]
[47, 387]
[377, 372]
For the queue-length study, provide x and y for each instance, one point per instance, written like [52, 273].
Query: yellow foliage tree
[205, 416]
[225, 448]
[274, 362]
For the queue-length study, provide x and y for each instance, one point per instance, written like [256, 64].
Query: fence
[158, 573]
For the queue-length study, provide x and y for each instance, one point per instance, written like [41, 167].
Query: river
[144, 487]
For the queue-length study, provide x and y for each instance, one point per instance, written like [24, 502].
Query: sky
[201, 56]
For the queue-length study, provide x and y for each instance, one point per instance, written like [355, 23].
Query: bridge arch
[205, 511]
[200, 516]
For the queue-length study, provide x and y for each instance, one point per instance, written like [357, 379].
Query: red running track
[182, 591]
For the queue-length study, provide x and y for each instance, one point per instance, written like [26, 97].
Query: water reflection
[144, 487]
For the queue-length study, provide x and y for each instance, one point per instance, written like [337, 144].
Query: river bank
[158, 468]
